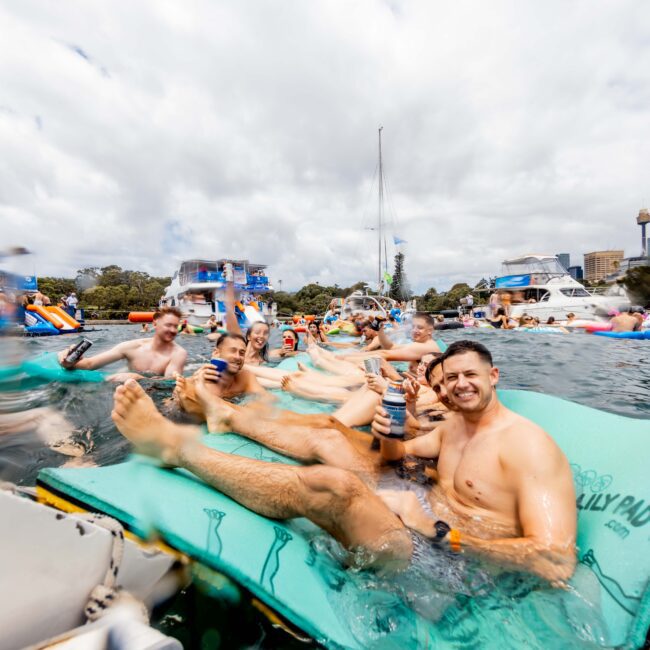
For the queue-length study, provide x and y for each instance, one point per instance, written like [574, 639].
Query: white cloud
[144, 133]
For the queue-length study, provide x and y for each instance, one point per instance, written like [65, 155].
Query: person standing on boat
[494, 303]
[159, 355]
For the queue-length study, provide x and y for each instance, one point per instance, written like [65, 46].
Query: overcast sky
[144, 133]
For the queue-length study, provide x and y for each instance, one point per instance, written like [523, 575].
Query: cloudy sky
[144, 133]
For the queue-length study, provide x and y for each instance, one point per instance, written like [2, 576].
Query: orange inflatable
[141, 317]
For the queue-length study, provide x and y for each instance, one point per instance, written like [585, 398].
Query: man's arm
[426, 446]
[373, 345]
[176, 364]
[541, 477]
[546, 509]
[100, 360]
[254, 387]
[410, 351]
[384, 341]
[231, 319]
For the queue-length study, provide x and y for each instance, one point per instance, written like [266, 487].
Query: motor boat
[364, 305]
[198, 288]
[540, 286]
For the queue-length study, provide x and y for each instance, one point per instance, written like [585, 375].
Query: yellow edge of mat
[46, 497]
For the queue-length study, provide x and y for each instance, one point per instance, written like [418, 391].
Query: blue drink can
[221, 365]
[395, 405]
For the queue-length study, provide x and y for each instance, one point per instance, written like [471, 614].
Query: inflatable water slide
[47, 321]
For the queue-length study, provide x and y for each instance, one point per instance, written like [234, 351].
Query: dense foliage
[110, 291]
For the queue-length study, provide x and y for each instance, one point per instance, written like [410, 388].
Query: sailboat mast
[379, 215]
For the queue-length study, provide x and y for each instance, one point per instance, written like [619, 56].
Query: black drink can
[78, 351]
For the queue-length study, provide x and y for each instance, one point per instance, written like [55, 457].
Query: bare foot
[217, 411]
[137, 419]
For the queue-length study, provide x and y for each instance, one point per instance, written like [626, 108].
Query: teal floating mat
[43, 369]
[283, 565]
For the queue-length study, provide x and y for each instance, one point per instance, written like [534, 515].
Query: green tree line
[110, 291]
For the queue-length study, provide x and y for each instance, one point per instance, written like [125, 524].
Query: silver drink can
[372, 365]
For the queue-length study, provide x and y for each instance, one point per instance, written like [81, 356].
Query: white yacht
[198, 289]
[540, 286]
[367, 305]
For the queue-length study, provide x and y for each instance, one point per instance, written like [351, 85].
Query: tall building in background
[564, 260]
[598, 264]
[643, 220]
[575, 272]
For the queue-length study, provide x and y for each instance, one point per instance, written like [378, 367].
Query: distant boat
[198, 289]
[544, 288]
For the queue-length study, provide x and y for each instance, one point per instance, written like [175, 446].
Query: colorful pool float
[641, 335]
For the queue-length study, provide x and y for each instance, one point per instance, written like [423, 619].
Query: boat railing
[253, 282]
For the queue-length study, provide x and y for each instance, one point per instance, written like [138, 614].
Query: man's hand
[208, 372]
[408, 508]
[376, 383]
[62, 355]
[411, 388]
[380, 426]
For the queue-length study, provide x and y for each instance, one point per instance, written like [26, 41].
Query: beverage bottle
[78, 350]
[395, 405]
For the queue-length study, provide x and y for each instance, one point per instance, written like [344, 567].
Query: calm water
[598, 372]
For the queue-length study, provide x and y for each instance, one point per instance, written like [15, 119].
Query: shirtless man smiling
[504, 485]
[505, 489]
[232, 382]
[159, 355]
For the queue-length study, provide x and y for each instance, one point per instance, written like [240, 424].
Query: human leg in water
[334, 499]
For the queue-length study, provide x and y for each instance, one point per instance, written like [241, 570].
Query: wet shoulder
[523, 438]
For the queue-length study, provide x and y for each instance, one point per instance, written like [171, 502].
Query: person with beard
[234, 381]
[505, 489]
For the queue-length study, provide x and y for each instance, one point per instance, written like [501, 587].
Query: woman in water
[257, 344]
[500, 320]
[289, 347]
[186, 328]
[315, 329]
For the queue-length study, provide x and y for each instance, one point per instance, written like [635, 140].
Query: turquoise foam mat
[277, 562]
[43, 369]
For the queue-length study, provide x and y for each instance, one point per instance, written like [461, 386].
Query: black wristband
[442, 530]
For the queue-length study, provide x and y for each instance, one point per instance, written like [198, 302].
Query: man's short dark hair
[427, 318]
[432, 364]
[464, 346]
[230, 335]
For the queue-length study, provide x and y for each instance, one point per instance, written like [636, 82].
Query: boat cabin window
[545, 297]
[576, 292]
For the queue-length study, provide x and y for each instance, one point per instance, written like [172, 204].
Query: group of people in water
[500, 489]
